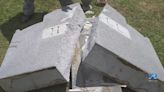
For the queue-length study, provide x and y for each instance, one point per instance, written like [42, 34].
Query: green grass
[147, 16]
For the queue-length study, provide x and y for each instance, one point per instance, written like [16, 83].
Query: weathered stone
[98, 89]
[75, 90]
[75, 66]
[87, 36]
[102, 89]
[89, 76]
[89, 12]
[72, 14]
[83, 48]
[55, 88]
[41, 55]
[128, 45]
[108, 10]
[113, 68]
[46, 57]
[121, 52]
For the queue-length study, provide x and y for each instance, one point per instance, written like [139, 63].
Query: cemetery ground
[147, 16]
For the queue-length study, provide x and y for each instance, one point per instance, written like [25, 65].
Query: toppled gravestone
[122, 54]
[69, 51]
[41, 55]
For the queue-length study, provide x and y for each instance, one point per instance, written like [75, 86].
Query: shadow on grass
[64, 3]
[8, 28]
[99, 5]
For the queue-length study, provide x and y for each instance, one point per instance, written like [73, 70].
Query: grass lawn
[147, 16]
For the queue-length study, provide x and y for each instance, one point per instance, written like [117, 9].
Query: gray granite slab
[102, 89]
[72, 14]
[90, 76]
[98, 89]
[41, 55]
[128, 44]
[114, 14]
[102, 64]
[120, 53]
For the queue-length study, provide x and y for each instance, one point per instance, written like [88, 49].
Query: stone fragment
[75, 90]
[82, 49]
[89, 12]
[87, 37]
